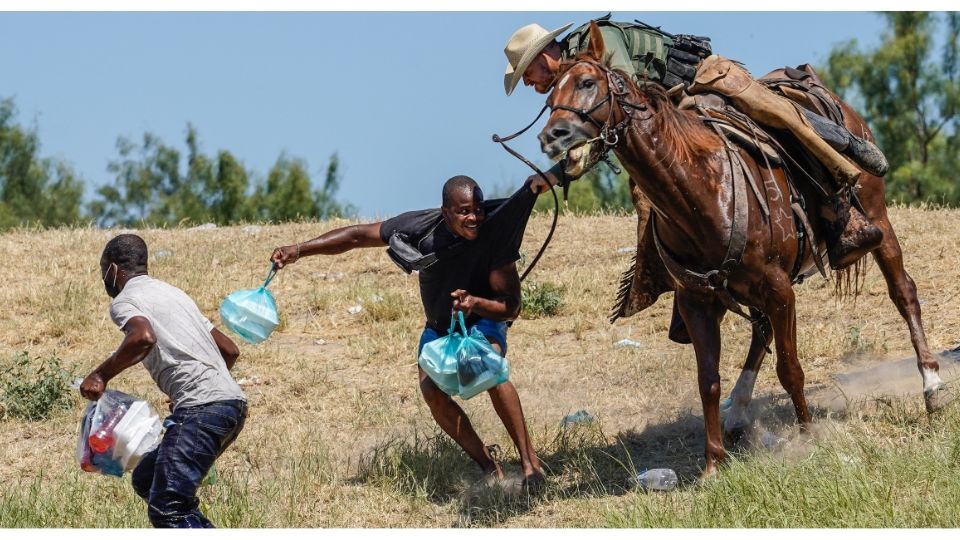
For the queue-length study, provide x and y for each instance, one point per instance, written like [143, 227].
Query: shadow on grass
[580, 462]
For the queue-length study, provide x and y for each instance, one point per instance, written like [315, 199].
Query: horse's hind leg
[781, 309]
[737, 417]
[903, 292]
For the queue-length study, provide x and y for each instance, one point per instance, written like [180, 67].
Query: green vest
[639, 51]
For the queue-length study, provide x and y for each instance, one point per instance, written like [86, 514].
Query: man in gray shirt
[190, 361]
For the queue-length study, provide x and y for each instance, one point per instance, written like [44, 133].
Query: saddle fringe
[849, 281]
[623, 290]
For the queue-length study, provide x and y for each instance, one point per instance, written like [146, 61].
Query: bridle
[609, 132]
[609, 136]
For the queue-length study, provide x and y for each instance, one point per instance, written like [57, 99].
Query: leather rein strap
[556, 201]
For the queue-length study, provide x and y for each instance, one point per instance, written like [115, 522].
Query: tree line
[156, 184]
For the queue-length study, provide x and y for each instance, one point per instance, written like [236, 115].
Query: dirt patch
[880, 379]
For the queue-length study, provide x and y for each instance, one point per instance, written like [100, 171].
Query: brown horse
[728, 247]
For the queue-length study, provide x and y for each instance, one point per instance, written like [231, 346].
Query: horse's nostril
[559, 133]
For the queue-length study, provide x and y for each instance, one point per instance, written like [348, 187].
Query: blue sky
[406, 99]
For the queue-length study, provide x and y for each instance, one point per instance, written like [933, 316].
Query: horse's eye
[587, 84]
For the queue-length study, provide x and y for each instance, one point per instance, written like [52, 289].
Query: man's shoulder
[412, 222]
[147, 289]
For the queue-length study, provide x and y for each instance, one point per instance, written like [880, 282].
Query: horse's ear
[596, 48]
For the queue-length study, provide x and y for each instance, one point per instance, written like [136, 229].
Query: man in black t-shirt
[467, 252]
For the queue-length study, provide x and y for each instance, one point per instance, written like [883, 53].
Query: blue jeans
[494, 331]
[168, 477]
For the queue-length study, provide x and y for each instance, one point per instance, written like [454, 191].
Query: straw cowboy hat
[523, 47]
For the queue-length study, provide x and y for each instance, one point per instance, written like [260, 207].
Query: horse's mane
[686, 137]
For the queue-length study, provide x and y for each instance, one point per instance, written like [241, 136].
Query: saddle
[647, 277]
[803, 86]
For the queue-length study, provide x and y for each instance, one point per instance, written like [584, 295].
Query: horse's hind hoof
[939, 397]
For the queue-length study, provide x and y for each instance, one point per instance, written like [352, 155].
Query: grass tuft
[541, 299]
[34, 388]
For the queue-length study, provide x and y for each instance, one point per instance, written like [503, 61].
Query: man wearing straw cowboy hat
[686, 67]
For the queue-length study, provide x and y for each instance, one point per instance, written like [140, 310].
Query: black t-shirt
[462, 264]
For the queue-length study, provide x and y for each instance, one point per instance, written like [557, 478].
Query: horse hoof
[708, 475]
[938, 398]
[735, 435]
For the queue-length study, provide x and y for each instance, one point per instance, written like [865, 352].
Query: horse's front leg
[781, 308]
[702, 318]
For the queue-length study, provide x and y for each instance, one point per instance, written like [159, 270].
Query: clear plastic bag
[251, 313]
[438, 359]
[116, 431]
[463, 363]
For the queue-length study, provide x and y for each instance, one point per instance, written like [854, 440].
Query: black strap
[716, 280]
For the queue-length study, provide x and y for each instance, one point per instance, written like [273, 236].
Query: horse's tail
[849, 281]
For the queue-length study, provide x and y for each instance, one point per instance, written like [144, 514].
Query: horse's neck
[684, 194]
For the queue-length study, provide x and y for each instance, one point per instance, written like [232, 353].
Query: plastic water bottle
[657, 479]
[86, 462]
[469, 368]
[103, 439]
[211, 477]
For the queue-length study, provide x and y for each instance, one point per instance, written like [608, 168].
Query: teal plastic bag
[463, 363]
[251, 313]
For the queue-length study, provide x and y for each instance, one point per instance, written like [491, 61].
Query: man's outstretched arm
[136, 345]
[331, 243]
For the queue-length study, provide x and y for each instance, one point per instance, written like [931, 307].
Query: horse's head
[585, 118]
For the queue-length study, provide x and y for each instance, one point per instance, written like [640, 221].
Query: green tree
[151, 188]
[227, 193]
[33, 189]
[146, 176]
[327, 204]
[909, 94]
[288, 192]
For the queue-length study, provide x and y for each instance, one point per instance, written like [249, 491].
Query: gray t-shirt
[185, 363]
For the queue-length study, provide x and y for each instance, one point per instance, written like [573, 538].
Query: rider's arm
[616, 52]
[331, 243]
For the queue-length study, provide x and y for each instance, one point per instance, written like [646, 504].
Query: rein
[565, 182]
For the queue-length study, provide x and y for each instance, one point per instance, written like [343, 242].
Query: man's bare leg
[454, 422]
[506, 402]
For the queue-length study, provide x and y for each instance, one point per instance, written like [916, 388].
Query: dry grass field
[338, 435]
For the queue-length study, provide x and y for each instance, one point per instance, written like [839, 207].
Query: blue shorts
[492, 330]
